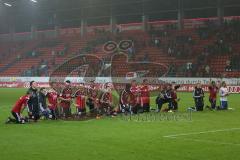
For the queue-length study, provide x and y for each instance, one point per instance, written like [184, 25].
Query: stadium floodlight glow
[8, 4]
[35, 1]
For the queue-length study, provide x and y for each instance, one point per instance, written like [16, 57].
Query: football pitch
[209, 135]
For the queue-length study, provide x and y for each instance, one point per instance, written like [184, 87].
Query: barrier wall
[187, 84]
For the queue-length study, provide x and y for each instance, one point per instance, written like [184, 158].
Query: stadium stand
[194, 51]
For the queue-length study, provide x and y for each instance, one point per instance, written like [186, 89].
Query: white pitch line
[196, 133]
[210, 141]
[176, 136]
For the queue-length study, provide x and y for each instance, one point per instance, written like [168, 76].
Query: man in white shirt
[223, 93]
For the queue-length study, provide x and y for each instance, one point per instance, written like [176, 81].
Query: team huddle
[133, 99]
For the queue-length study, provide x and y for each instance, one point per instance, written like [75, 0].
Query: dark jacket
[33, 103]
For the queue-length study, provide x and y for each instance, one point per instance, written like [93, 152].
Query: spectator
[130, 52]
[228, 67]
[18, 57]
[207, 70]
[170, 51]
[146, 58]
[53, 53]
[157, 42]
[189, 66]
[190, 41]
[33, 53]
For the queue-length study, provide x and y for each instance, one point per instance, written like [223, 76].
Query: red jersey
[174, 95]
[127, 98]
[213, 92]
[92, 93]
[136, 92]
[80, 100]
[52, 99]
[20, 104]
[106, 98]
[66, 94]
[145, 95]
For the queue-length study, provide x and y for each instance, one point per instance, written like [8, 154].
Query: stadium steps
[12, 68]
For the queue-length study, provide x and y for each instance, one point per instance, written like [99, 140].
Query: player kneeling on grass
[174, 101]
[18, 109]
[145, 96]
[127, 100]
[223, 92]
[213, 90]
[43, 103]
[164, 97]
[106, 102]
[135, 89]
[52, 104]
[198, 96]
[80, 102]
[92, 100]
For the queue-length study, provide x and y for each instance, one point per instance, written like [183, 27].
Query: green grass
[111, 139]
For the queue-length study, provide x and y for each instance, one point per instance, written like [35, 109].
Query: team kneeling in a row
[47, 103]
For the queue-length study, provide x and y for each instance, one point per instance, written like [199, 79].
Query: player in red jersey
[145, 96]
[80, 101]
[53, 103]
[213, 90]
[66, 99]
[127, 100]
[18, 109]
[136, 92]
[174, 101]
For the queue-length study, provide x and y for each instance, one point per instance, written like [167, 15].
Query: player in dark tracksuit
[198, 96]
[43, 103]
[164, 97]
[33, 103]
[92, 100]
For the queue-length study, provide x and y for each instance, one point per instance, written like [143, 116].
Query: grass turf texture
[111, 139]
